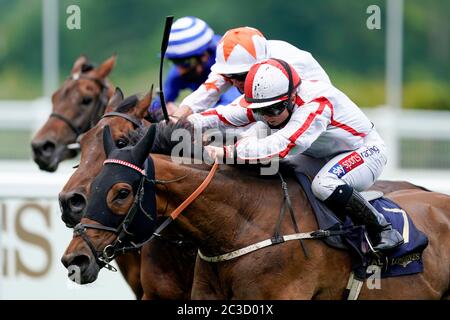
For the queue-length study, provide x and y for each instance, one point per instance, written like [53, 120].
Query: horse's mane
[163, 143]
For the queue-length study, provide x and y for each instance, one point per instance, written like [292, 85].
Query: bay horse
[127, 117]
[154, 274]
[236, 210]
[76, 106]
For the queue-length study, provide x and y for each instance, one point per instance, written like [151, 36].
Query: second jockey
[236, 52]
[192, 50]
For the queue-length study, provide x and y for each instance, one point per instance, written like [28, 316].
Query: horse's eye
[123, 194]
[121, 143]
[86, 101]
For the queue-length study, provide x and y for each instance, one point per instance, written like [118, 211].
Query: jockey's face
[237, 79]
[238, 84]
[277, 120]
[192, 69]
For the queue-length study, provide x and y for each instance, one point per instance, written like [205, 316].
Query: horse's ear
[144, 104]
[116, 99]
[108, 141]
[142, 149]
[78, 63]
[105, 68]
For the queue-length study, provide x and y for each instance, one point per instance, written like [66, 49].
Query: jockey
[192, 50]
[236, 52]
[315, 119]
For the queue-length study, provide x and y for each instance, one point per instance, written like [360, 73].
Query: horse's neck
[227, 215]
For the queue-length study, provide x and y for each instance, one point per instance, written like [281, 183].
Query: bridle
[94, 114]
[119, 246]
[105, 256]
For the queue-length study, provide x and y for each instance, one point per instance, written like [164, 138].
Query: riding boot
[379, 230]
[362, 212]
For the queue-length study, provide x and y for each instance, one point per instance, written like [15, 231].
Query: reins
[105, 256]
[174, 215]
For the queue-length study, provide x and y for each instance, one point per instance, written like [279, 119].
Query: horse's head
[121, 210]
[77, 105]
[125, 118]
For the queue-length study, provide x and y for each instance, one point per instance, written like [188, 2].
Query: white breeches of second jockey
[359, 168]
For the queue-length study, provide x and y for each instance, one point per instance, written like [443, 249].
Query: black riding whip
[164, 44]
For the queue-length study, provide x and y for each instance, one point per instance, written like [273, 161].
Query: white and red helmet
[269, 82]
[239, 49]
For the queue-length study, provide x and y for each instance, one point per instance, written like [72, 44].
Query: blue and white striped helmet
[189, 36]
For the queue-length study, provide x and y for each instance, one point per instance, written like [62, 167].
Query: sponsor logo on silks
[370, 152]
[347, 164]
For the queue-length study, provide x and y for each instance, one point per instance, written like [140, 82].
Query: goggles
[188, 62]
[272, 110]
[236, 76]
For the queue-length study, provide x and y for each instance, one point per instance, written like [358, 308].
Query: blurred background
[398, 73]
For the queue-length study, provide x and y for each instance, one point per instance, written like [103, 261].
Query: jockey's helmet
[238, 50]
[270, 82]
[189, 37]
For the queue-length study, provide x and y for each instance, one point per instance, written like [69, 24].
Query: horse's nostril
[45, 149]
[72, 205]
[48, 147]
[81, 261]
[76, 202]
[76, 265]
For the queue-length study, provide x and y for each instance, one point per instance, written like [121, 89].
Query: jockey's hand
[215, 152]
[173, 119]
[171, 108]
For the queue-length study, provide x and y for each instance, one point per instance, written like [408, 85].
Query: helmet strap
[291, 88]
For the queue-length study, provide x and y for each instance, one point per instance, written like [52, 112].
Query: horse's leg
[206, 284]
[166, 271]
[129, 266]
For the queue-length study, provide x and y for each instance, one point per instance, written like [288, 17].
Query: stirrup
[371, 246]
[397, 241]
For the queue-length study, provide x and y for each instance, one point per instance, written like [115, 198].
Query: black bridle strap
[277, 237]
[110, 251]
[81, 226]
[135, 121]
[80, 230]
[66, 121]
[96, 111]
[177, 211]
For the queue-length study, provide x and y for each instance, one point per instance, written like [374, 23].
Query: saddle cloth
[407, 259]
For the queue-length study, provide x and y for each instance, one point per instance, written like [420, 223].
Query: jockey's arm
[182, 111]
[304, 127]
[206, 96]
[223, 117]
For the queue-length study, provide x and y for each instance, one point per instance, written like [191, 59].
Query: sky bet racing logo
[347, 164]
[352, 161]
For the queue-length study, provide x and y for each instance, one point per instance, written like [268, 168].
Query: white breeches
[359, 168]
